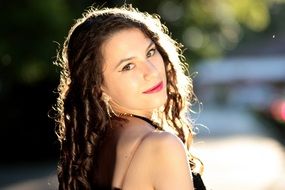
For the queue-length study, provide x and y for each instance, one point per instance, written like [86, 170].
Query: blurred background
[236, 56]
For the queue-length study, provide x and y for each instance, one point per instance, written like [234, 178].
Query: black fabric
[147, 120]
[198, 182]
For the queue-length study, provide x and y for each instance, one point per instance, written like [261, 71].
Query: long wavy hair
[82, 117]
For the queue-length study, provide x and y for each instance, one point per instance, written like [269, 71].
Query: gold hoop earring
[106, 99]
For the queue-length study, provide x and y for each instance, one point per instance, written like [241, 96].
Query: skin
[131, 68]
[160, 160]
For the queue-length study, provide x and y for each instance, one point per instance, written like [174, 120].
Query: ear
[103, 88]
[102, 92]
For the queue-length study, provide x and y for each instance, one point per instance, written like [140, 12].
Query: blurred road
[239, 152]
[243, 162]
[32, 176]
[236, 151]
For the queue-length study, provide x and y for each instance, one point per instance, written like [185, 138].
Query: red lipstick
[154, 89]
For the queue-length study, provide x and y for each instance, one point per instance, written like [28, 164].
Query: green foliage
[32, 29]
[210, 28]
[28, 33]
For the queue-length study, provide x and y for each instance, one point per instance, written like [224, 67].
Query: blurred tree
[211, 28]
[30, 31]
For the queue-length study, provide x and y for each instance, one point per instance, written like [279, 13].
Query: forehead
[124, 43]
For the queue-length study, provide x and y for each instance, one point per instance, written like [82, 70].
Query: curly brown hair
[82, 117]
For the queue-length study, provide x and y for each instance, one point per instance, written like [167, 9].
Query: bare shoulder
[164, 142]
[160, 155]
[168, 160]
[164, 148]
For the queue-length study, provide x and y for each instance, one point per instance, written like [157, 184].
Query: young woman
[123, 105]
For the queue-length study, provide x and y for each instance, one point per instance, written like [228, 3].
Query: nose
[149, 70]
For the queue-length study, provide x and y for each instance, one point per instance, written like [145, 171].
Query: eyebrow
[130, 58]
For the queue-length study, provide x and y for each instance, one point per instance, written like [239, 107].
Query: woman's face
[134, 73]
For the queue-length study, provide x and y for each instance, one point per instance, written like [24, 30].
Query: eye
[151, 52]
[128, 67]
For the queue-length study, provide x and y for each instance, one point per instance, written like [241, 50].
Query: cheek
[122, 88]
[161, 66]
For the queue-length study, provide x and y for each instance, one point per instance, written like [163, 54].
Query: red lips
[154, 89]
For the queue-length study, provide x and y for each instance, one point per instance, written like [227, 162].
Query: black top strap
[146, 120]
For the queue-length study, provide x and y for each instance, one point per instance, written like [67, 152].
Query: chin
[159, 101]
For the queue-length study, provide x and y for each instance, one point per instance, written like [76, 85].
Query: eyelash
[127, 65]
[151, 50]
[150, 53]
